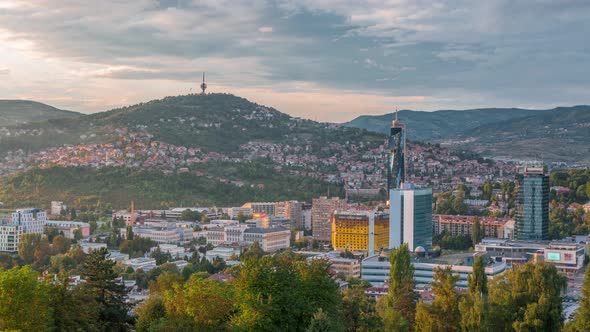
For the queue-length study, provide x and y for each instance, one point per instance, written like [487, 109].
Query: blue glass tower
[532, 209]
[397, 146]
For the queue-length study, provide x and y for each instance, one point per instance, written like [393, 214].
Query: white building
[234, 212]
[144, 263]
[88, 247]
[270, 239]
[222, 252]
[375, 269]
[57, 207]
[174, 250]
[410, 217]
[163, 234]
[24, 221]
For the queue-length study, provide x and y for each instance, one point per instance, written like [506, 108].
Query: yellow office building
[360, 230]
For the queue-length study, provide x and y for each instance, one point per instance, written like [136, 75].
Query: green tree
[476, 232]
[473, 307]
[100, 276]
[320, 322]
[527, 298]
[398, 308]
[151, 315]
[74, 309]
[129, 233]
[443, 314]
[581, 321]
[24, 301]
[359, 312]
[254, 251]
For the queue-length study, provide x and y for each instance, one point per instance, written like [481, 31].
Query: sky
[327, 60]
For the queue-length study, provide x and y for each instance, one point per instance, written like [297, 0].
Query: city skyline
[328, 61]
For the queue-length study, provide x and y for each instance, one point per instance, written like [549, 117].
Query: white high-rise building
[410, 217]
[24, 221]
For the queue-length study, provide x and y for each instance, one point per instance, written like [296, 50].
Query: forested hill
[212, 122]
[558, 134]
[14, 112]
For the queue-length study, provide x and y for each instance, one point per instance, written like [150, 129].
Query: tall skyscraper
[410, 217]
[532, 208]
[397, 146]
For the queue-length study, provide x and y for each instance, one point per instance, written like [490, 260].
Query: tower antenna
[203, 85]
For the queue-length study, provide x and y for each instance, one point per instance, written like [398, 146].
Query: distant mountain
[428, 126]
[559, 134]
[15, 112]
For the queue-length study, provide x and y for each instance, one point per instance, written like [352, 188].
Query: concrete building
[234, 212]
[463, 225]
[568, 257]
[24, 221]
[57, 207]
[69, 228]
[88, 247]
[163, 234]
[270, 239]
[223, 252]
[375, 269]
[291, 210]
[350, 267]
[360, 231]
[144, 263]
[321, 216]
[262, 207]
[532, 208]
[174, 250]
[410, 216]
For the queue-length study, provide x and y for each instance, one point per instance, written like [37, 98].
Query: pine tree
[474, 306]
[109, 293]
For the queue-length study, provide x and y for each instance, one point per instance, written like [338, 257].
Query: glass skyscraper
[397, 145]
[410, 217]
[532, 208]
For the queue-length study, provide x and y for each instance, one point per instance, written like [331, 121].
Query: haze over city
[324, 60]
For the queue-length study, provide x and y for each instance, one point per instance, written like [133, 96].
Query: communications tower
[203, 85]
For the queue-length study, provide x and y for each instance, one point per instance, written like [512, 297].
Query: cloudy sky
[329, 60]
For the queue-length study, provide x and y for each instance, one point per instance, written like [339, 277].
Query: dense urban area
[414, 237]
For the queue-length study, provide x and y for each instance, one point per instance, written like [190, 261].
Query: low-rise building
[270, 239]
[463, 225]
[88, 247]
[69, 228]
[144, 263]
[375, 269]
[568, 257]
[174, 250]
[223, 252]
[163, 234]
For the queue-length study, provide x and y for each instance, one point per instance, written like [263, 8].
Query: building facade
[24, 221]
[270, 239]
[410, 217]
[321, 216]
[360, 231]
[463, 225]
[532, 208]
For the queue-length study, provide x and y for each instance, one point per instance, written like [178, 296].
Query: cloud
[492, 53]
[4, 71]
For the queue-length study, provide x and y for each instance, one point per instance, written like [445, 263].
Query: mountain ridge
[20, 111]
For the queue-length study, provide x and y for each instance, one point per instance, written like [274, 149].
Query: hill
[15, 112]
[558, 134]
[218, 142]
